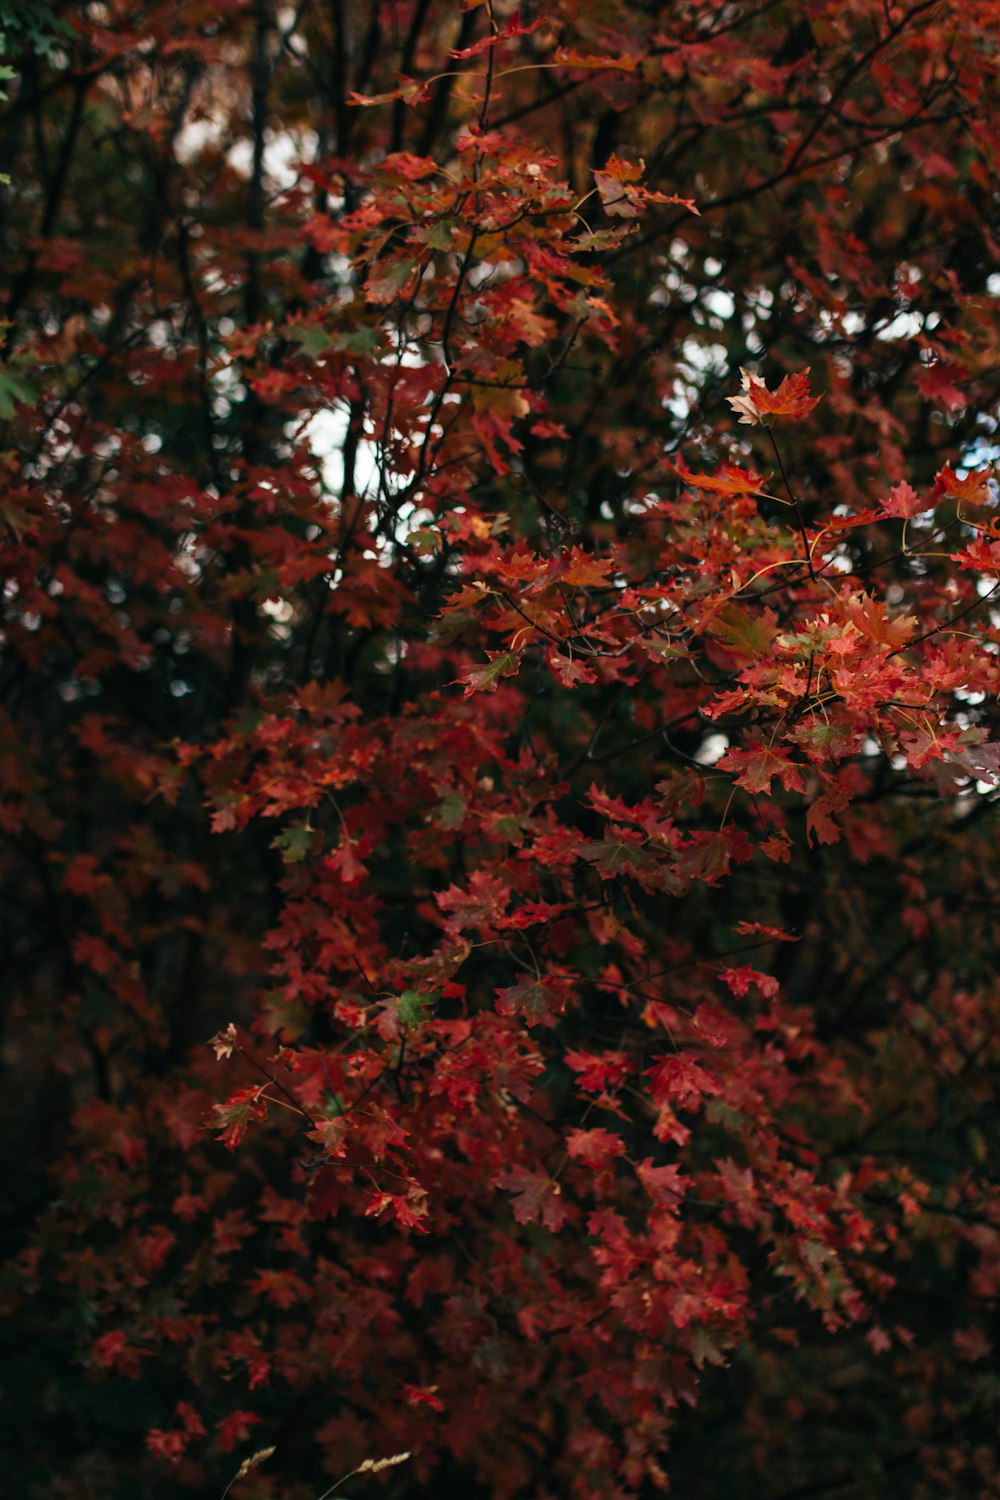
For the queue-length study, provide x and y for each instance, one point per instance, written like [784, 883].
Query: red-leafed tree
[500, 551]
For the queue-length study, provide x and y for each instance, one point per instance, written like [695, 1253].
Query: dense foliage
[557, 767]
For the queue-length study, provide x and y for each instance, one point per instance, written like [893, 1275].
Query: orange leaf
[583, 569]
[972, 489]
[791, 399]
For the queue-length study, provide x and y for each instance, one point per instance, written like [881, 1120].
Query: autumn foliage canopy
[498, 727]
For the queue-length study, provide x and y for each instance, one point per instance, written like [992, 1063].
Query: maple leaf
[535, 1198]
[411, 1209]
[413, 1008]
[730, 480]
[589, 62]
[758, 765]
[582, 569]
[705, 1350]
[936, 382]
[763, 929]
[282, 1288]
[190, 1418]
[387, 278]
[981, 555]
[223, 1042]
[326, 1194]
[235, 1428]
[819, 820]
[533, 998]
[294, 843]
[331, 1135]
[598, 1072]
[925, 744]
[708, 855]
[745, 633]
[974, 488]
[979, 761]
[486, 898]
[418, 1396]
[740, 1189]
[113, 1351]
[344, 862]
[240, 1110]
[409, 91]
[904, 502]
[616, 184]
[168, 1445]
[738, 981]
[666, 1185]
[826, 740]
[870, 618]
[595, 1148]
[110, 1346]
[486, 679]
[522, 566]
[711, 1022]
[791, 399]
[512, 29]
[777, 847]
[612, 857]
[570, 670]
[679, 1080]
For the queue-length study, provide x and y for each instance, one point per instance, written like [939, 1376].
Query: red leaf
[235, 1429]
[536, 1198]
[596, 1074]
[418, 1396]
[595, 1148]
[820, 826]
[237, 1114]
[791, 399]
[870, 618]
[512, 29]
[665, 1185]
[712, 1023]
[936, 382]
[758, 765]
[582, 569]
[680, 1081]
[904, 502]
[730, 480]
[973, 488]
[168, 1445]
[570, 670]
[536, 1000]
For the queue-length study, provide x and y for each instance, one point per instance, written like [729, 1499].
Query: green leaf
[358, 341]
[414, 1008]
[487, 678]
[611, 857]
[15, 388]
[294, 842]
[704, 1349]
[511, 826]
[387, 278]
[424, 541]
[311, 339]
[14, 519]
[437, 236]
[450, 810]
[738, 630]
